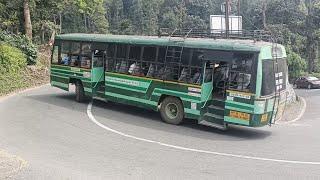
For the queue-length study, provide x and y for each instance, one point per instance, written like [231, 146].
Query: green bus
[214, 81]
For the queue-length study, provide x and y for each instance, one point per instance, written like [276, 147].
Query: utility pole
[227, 17]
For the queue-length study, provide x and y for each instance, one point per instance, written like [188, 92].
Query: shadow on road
[62, 100]
[150, 119]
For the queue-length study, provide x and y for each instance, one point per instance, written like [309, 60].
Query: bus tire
[79, 92]
[172, 111]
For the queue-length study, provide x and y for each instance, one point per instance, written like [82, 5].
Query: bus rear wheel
[171, 111]
[79, 92]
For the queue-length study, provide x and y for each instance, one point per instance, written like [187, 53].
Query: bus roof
[202, 43]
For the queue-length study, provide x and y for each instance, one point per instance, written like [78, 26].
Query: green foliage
[297, 65]
[12, 60]
[12, 63]
[295, 22]
[21, 42]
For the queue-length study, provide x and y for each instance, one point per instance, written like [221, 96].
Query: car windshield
[312, 78]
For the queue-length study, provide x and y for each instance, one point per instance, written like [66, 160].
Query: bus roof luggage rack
[256, 35]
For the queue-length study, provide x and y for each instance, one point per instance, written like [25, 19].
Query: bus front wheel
[79, 92]
[172, 111]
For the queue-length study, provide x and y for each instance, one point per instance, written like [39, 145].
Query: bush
[297, 65]
[23, 43]
[12, 60]
[12, 64]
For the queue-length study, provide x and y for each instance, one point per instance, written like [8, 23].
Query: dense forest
[296, 23]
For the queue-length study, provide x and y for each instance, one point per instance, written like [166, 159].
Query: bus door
[212, 111]
[97, 72]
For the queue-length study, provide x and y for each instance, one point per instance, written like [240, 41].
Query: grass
[29, 76]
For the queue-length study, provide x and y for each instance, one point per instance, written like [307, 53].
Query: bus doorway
[97, 73]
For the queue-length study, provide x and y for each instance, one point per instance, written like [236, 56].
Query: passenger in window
[244, 81]
[138, 70]
[151, 71]
[160, 73]
[196, 77]
[132, 68]
[85, 63]
[65, 59]
[184, 75]
[74, 61]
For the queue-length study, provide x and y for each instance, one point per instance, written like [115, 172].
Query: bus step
[216, 107]
[214, 121]
[214, 116]
[216, 110]
[218, 102]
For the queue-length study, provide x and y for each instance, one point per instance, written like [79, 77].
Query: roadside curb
[304, 107]
[5, 97]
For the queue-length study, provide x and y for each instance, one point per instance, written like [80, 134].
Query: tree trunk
[42, 33]
[264, 17]
[27, 19]
[60, 22]
[51, 42]
[85, 23]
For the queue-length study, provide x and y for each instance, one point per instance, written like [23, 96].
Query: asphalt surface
[58, 140]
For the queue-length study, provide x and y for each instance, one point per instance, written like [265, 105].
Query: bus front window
[240, 75]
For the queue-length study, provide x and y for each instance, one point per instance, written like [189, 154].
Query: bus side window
[149, 60]
[75, 54]
[185, 73]
[56, 55]
[135, 64]
[122, 65]
[197, 58]
[160, 66]
[65, 53]
[86, 55]
[110, 61]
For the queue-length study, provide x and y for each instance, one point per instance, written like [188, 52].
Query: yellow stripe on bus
[158, 80]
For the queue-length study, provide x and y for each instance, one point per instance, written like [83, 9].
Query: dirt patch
[10, 165]
[293, 111]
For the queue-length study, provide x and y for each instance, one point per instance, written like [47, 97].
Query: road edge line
[94, 120]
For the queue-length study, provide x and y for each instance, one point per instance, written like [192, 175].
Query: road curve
[53, 133]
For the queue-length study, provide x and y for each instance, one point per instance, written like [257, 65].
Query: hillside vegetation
[15, 74]
[295, 23]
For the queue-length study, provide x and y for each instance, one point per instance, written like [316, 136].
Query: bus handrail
[211, 89]
[98, 81]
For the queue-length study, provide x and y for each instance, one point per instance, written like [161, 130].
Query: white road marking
[304, 107]
[93, 119]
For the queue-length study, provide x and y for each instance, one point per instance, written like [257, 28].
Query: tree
[297, 65]
[27, 19]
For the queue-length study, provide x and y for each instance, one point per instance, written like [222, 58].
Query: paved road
[56, 137]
